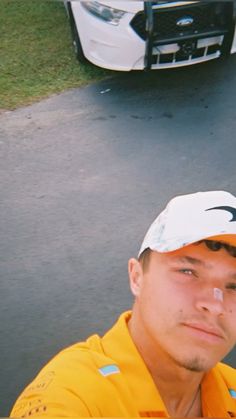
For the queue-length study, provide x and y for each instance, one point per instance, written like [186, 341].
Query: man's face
[177, 312]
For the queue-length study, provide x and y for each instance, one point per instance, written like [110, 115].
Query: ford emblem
[184, 21]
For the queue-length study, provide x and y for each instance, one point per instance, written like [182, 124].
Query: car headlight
[106, 13]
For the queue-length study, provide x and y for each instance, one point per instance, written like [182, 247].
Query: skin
[178, 325]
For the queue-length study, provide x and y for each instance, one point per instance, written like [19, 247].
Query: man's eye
[231, 287]
[187, 271]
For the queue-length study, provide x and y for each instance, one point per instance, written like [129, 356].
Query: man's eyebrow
[189, 259]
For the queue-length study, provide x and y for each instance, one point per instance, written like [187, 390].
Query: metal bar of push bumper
[178, 39]
[149, 31]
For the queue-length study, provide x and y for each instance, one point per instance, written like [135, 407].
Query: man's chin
[196, 364]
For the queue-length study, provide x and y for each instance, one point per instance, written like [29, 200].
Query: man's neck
[181, 393]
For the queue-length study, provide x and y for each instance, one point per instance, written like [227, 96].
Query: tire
[75, 38]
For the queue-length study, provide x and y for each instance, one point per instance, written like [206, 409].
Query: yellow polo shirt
[106, 377]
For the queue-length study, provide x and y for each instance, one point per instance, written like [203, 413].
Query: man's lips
[205, 331]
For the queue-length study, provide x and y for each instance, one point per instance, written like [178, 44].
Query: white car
[136, 35]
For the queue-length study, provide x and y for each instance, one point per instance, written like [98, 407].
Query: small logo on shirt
[232, 393]
[41, 383]
[109, 370]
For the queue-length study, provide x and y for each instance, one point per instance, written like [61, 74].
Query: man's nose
[209, 301]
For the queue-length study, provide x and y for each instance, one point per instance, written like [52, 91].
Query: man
[161, 360]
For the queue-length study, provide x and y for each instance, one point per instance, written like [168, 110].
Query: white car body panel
[106, 45]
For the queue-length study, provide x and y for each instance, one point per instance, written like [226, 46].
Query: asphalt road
[82, 176]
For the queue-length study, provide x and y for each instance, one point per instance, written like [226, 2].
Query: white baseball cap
[190, 218]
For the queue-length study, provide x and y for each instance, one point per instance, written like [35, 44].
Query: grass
[36, 53]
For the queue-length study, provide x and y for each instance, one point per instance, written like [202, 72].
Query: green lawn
[36, 53]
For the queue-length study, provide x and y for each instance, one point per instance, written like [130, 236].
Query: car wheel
[75, 38]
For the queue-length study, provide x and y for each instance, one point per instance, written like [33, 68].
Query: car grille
[212, 18]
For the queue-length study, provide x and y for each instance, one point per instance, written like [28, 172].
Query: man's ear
[135, 276]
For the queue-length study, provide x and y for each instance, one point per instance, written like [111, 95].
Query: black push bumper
[184, 25]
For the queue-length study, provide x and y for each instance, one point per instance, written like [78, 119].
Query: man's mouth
[208, 333]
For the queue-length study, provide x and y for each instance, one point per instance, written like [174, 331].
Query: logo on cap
[232, 211]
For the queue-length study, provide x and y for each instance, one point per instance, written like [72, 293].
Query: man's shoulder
[68, 385]
[78, 367]
[80, 378]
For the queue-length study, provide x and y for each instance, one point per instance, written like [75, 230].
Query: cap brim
[226, 238]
